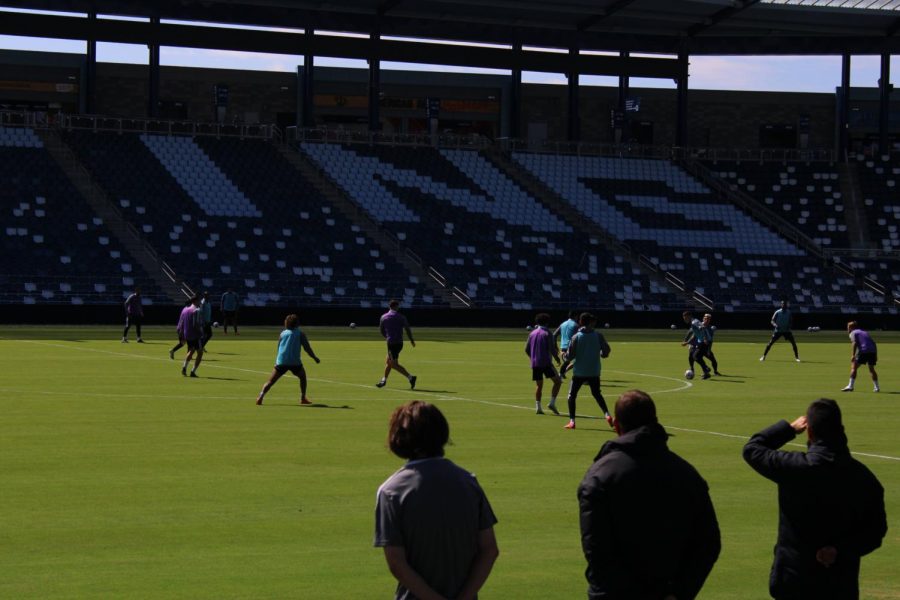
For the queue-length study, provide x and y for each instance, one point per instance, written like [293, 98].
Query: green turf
[119, 478]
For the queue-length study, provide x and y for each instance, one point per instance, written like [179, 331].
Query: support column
[844, 109]
[623, 83]
[681, 133]
[884, 103]
[574, 117]
[308, 119]
[375, 79]
[90, 69]
[515, 100]
[153, 66]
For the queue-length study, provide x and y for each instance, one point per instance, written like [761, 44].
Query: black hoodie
[825, 498]
[648, 527]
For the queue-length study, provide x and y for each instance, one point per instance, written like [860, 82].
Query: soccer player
[697, 339]
[206, 312]
[565, 332]
[392, 326]
[541, 348]
[782, 321]
[229, 306]
[587, 348]
[180, 343]
[710, 332]
[190, 329]
[288, 358]
[862, 352]
[134, 314]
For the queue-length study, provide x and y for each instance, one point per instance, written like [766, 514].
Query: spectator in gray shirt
[431, 517]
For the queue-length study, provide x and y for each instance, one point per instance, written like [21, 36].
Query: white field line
[682, 386]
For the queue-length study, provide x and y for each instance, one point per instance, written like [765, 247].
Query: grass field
[119, 478]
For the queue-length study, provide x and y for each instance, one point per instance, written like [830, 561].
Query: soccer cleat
[762, 358]
[304, 401]
[172, 354]
[259, 400]
[609, 420]
[140, 341]
[184, 371]
[412, 382]
[848, 389]
[569, 425]
[552, 408]
[124, 340]
[716, 373]
[538, 410]
[193, 374]
[797, 359]
[381, 383]
[876, 389]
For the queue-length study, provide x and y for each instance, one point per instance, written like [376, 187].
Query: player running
[587, 348]
[541, 348]
[862, 352]
[698, 341]
[392, 326]
[190, 329]
[782, 321]
[710, 332]
[288, 358]
[565, 331]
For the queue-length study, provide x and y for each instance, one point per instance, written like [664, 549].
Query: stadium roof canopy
[717, 27]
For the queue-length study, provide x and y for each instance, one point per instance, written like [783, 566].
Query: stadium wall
[425, 317]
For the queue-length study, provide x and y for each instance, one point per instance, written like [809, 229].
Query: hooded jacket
[825, 498]
[648, 527]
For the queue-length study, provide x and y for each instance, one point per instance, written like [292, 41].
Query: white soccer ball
[528, 327]
[606, 325]
[352, 325]
[688, 374]
[672, 326]
[713, 327]
[216, 324]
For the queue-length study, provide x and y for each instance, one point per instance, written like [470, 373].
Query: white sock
[184, 364]
[875, 381]
[852, 379]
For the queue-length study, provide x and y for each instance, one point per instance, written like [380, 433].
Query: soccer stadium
[461, 180]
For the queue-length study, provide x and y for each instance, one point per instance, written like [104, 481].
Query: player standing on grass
[565, 332]
[206, 312]
[134, 314]
[862, 352]
[190, 329]
[229, 306]
[288, 358]
[697, 339]
[392, 326]
[587, 348]
[181, 342]
[782, 321]
[541, 348]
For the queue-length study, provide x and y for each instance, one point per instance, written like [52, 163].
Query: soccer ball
[528, 327]
[688, 374]
[215, 324]
[606, 325]
[672, 326]
[352, 325]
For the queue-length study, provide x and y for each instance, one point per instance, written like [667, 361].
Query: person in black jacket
[648, 526]
[830, 506]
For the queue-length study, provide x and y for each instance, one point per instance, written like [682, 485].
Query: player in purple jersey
[541, 349]
[134, 315]
[862, 352]
[392, 326]
[190, 329]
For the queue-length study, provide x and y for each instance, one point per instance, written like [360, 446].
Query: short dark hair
[573, 313]
[291, 321]
[418, 430]
[852, 325]
[635, 409]
[587, 318]
[542, 319]
[393, 304]
[823, 418]
[687, 313]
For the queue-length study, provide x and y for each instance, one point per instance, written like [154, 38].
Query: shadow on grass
[222, 378]
[426, 391]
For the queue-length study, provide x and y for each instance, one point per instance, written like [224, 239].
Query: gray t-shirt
[435, 510]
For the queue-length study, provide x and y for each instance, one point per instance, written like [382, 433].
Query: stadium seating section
[235, 213]
[482, 231]
[55, 250]
[231, 213]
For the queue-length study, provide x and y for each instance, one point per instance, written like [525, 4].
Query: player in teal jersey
[710, 332]
[565, 331]
[782, 321]
[288, 358]
[698, 339]
[587, 347]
